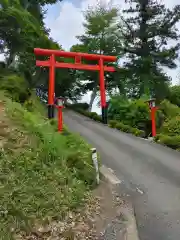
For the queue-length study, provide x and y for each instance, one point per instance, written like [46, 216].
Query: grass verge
[43, 174]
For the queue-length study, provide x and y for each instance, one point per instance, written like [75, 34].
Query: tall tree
[101, 36]
[20, 21]
[21, 30]
[148, 29]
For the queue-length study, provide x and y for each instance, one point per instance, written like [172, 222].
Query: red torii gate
[78, 57]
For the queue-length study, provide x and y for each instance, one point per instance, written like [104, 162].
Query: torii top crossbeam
[87, 56]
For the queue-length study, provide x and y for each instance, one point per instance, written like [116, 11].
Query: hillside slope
[43, 174]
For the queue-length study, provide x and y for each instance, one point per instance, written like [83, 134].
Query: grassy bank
[43, 174]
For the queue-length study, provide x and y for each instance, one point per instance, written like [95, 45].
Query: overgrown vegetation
[44, 174]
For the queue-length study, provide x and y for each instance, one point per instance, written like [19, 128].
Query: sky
[65, 22]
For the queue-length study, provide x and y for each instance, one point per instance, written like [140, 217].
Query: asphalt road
[150, 173]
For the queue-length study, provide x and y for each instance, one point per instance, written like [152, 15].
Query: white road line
[139, 190]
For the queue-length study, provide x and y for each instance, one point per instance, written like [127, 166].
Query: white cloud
[2, 58]
[68, 25]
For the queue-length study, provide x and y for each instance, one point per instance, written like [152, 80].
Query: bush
[112, 123]
[169, 110]
[29, 105]
[171, 127]
[137, 132]
[97, 118]
[92, 115]
[15, 86]
[174, 95]
[83, 106]
[81, 111]
[170, 141]
[132, 113]
[136, 113]
[125, 128]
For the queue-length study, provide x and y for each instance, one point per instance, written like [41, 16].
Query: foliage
[33, 104]
[171, 127]
[148, 27]
[168, 109]
[84, 106]
[15, 86]
[133, 113]
[44, 174]
[170, 141]
[21, 30]
[126, 128]
[92, 115]
[174, 95]
[101, 36]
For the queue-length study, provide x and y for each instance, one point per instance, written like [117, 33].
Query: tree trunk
[11, 59]
[93, 96]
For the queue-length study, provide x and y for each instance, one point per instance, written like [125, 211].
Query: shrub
[170, 141]
[120, 126]
[125, 128]
[112, 123]
[138, 114]
[92, 115]
[169, 110]
[132, 113]
[97, 118]
[84, 106]
[85, 113]
[171, 127]
[137, 132]
[15, 86]
[174, 95]
[81, 111]
[29, 105]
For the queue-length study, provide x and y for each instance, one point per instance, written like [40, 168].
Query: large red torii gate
[78, 57]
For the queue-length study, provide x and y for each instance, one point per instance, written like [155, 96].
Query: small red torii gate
[78, 57]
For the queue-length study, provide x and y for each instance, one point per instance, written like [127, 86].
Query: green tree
[21, 30]
[148, 28]
[101, 36]
[17, 26]
[174, 95]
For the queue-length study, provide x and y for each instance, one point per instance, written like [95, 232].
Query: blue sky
[65, 21]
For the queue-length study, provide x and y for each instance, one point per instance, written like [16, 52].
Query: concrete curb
[127, 210]
[131, 226]
[109, 176]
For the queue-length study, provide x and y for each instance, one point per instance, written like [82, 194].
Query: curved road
[149, 172]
